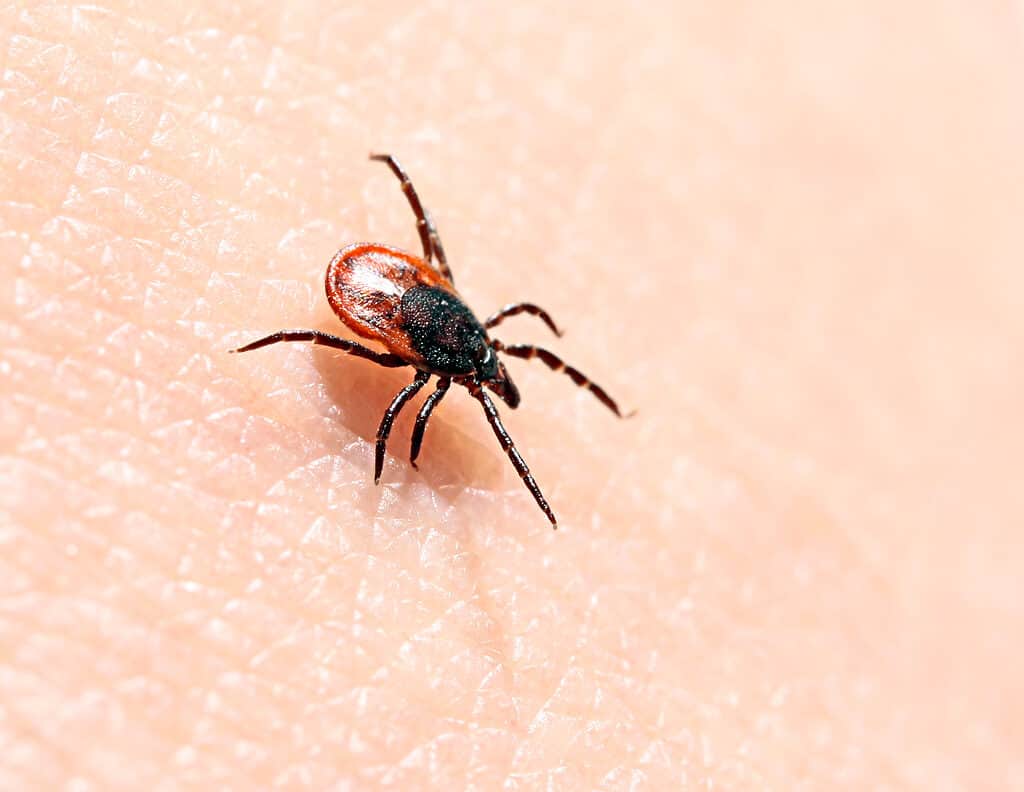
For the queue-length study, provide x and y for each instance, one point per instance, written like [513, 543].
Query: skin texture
[790, 237]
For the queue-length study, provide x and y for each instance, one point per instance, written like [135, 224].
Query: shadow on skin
[451, 460]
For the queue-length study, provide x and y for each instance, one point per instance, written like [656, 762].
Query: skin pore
[790, 238]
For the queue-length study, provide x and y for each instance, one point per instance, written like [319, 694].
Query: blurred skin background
[790, 237]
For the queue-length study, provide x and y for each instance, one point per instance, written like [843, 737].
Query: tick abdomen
[365, 285]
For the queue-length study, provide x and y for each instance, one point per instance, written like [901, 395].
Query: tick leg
[517, 308]
[429, 237]
[325, 339]
[389, 418]
[435, 238]
[552, 361]
[424, 416]
[509, 447]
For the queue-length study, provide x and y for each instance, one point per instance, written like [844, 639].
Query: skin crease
[792, 242]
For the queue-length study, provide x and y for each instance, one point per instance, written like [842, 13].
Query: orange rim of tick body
[365, 285]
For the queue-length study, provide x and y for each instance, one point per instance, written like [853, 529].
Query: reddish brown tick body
[410, 305]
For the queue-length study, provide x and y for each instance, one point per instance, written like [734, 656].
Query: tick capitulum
[409, 304]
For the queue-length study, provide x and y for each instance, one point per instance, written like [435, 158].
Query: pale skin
[792, 244]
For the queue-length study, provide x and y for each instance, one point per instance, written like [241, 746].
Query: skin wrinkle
[766, 573]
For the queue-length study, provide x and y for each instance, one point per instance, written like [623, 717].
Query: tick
[409, 305]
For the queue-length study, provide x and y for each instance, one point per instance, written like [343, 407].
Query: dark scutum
[442, 330]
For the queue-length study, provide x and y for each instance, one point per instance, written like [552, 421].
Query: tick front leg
[424, 416]
[328, 340]
[509, 447]
[523, 307]
[555, 363]
[389, 418]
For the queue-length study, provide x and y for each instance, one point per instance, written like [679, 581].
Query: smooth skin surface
[789, 236]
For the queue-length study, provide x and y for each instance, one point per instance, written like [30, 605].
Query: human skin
[792, 243]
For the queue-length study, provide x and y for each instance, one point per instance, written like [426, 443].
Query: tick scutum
[444, 332]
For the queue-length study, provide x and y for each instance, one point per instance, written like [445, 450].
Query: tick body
[409, 304]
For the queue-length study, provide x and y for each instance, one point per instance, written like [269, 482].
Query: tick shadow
[452, 458]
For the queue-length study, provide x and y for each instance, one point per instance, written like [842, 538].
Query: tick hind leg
[509, 447]
[555, 363]
[389, 418]
[429, 237]
[424, 416]
[328, 340]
